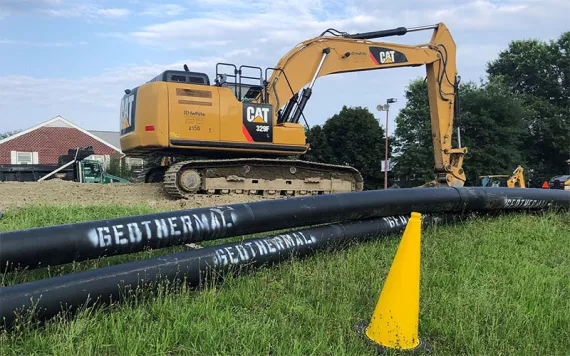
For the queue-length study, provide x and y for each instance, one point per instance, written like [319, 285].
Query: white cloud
[477, 53]
[222, 3]
[35, 44]
[519, 15]
[18, 5]
[113, 13]
[165, 10]
[60, 8]
[282, 23]
[483, 14]
[88, 11]
[106, 85]
[278, 24]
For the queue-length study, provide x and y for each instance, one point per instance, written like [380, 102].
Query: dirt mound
[22, 194]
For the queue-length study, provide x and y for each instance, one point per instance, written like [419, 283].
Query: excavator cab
[243, 92]
[179, 76]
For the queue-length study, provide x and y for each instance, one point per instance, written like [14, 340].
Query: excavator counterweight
[245, 126]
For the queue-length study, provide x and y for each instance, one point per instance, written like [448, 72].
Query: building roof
[112, 137]
[59, 121]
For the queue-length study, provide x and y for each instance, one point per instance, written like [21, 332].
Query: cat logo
[126, 111]
[258, 114]
[387, 57]
[257, 122]
[383, 55]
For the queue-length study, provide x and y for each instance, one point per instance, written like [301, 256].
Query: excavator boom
[343, 53]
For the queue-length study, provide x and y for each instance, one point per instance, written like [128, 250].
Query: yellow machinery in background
[248, 133]
[515, 180]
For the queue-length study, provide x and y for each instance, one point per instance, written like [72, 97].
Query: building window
[24, 157]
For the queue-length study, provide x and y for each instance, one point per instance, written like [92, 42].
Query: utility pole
[386, 107]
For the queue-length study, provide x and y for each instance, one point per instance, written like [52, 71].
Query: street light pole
[387, 109]
[386, 152]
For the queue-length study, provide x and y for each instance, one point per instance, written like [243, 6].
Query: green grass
[491, 286]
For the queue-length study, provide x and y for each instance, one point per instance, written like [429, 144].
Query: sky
[74, 58]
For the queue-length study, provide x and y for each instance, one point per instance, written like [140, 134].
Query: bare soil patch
[23, 194]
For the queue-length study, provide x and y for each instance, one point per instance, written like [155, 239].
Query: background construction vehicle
[246, 132]
[496, 180]
[515, 180]
[72, 167]
[561, 181]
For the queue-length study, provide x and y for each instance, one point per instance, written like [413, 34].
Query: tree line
[7, 134]
[519, 115]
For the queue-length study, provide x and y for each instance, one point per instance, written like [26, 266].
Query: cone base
[423, 346]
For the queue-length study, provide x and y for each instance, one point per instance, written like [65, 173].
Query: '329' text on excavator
[246, 134]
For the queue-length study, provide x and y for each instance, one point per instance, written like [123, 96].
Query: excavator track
[259, 176]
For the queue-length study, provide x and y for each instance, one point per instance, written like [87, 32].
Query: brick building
[45, 142]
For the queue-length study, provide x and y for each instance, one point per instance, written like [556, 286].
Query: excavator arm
[341, 53]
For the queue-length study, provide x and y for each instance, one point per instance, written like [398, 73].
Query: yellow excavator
[248, 134]
[515, 180]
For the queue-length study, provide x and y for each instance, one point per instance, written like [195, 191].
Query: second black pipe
[46, 297]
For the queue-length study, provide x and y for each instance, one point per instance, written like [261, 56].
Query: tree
[319, 151]
[540, 73]
[492, 128]
[535, 68]
[412, 138]
[352, 137]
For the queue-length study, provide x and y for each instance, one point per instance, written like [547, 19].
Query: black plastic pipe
[89, 288]
[39, 247]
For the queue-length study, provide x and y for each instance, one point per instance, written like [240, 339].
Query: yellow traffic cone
[394, 323]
